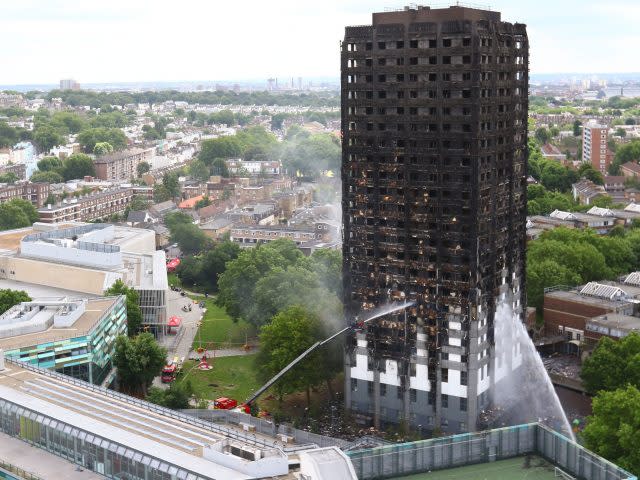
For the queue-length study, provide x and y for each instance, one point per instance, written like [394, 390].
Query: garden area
[218, 330]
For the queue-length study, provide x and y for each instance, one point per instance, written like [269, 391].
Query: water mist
[523, 389]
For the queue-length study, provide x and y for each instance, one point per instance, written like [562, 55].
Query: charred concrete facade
[434, 127]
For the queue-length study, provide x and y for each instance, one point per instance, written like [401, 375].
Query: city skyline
[129, 42]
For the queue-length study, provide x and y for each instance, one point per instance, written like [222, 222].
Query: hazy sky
[43, 41]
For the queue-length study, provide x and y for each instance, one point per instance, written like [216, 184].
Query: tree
[10, 298]
[50, 164]
[199, 170]
[613, 364]
[289, 334]
[544, 274]
[134, 314]
[219, 167]
[8, 135]
[102, 148]
[189, 238]
[542, 136]
[223, 147]
[587, 171]
[47, 137]
[27, 208]
[114, 136]
[138, 360]
[78, 165]
[8, 177]
[613, 431]
[203, 202]
[171, 183]
[311, 155]
[17, 213]
[47, 177]
[173, 219]
[621, 132]
[142, 168]
[277, 120]
[176, 397]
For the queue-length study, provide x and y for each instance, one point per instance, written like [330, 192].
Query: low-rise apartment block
[121, 165]
[36, 193]
[94, 206]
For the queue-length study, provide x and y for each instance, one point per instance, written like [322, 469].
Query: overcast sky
[42, 41]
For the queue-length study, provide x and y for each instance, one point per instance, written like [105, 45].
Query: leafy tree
[177, 396]
[10, 298]
[613, 364]
[587, 171]
[17, 213]
[203, 202]
[199, 170]
[48, 164]
[621, 132]
[312, 155]
[77, 165]
[629, 152]
[134, 314]
[102, 148]
[223, 147]
[67, 122]
[113, 136]
[47, 177]
[174, 219]
[542, 136]
[138, 361]
[613, 431]
[171, 183]
[544, 274]
[289, 334]
[189, 238]
[8, 135]
[47, 137]
[277, 120]
[8, 177]
[142, 168]
[27, 208]
[219, 167]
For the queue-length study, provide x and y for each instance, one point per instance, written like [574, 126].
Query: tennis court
[519, 468]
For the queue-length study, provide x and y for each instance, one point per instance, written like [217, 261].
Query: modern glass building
[76, 338]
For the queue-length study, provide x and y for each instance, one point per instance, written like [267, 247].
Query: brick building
[121, 165]
[36, 193]
[90, 207]
[594, 146]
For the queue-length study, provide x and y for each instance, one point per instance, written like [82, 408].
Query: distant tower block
[270, 83]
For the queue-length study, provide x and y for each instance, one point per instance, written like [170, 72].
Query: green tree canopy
[138, 360]
[199, 170]
[9, 298]
[17, 213]
[113, 136]
[77, 165]
[176, 397]
[289, 334]
[613, 364]
[102, 148]
[47, 177]
[47, 137]
[49, 164]
[613, 431]
[142, 168]
[223, 147]
[134, 314]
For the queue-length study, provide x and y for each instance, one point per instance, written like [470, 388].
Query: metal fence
[302, 438]
[14, 470]
[481, 447]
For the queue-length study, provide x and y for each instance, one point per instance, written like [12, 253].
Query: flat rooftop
[10, 239]
[94, 310]
[616, 320]
[519, 468]
[178, 440]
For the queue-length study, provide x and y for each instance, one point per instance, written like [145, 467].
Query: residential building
[69, 84]
[615, 188]
[121, 165]
[251, 235]
[254, 167]
[594, 146]
[18, 169]
[434, 134]
[216, 227]
[74, 337]
[567, 310]
[630, 169]
[93, 206]
[551, 152]
[36, 193]
[84, 260]
[585, 191]
[258, 214]
[161, 209]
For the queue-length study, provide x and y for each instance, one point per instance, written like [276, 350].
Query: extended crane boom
[262, 389]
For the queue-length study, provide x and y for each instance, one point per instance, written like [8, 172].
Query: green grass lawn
[219, 331]
[233, 377]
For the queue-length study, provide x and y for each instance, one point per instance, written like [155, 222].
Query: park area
[218, 330]
[519, 468]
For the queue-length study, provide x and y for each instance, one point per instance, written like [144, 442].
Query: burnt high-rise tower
[434, 125]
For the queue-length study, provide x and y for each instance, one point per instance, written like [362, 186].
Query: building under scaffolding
[434, 126]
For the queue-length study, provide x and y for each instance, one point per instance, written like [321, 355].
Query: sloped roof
[601, 212]
[595, 289]
[633, 278]
[562, 215]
